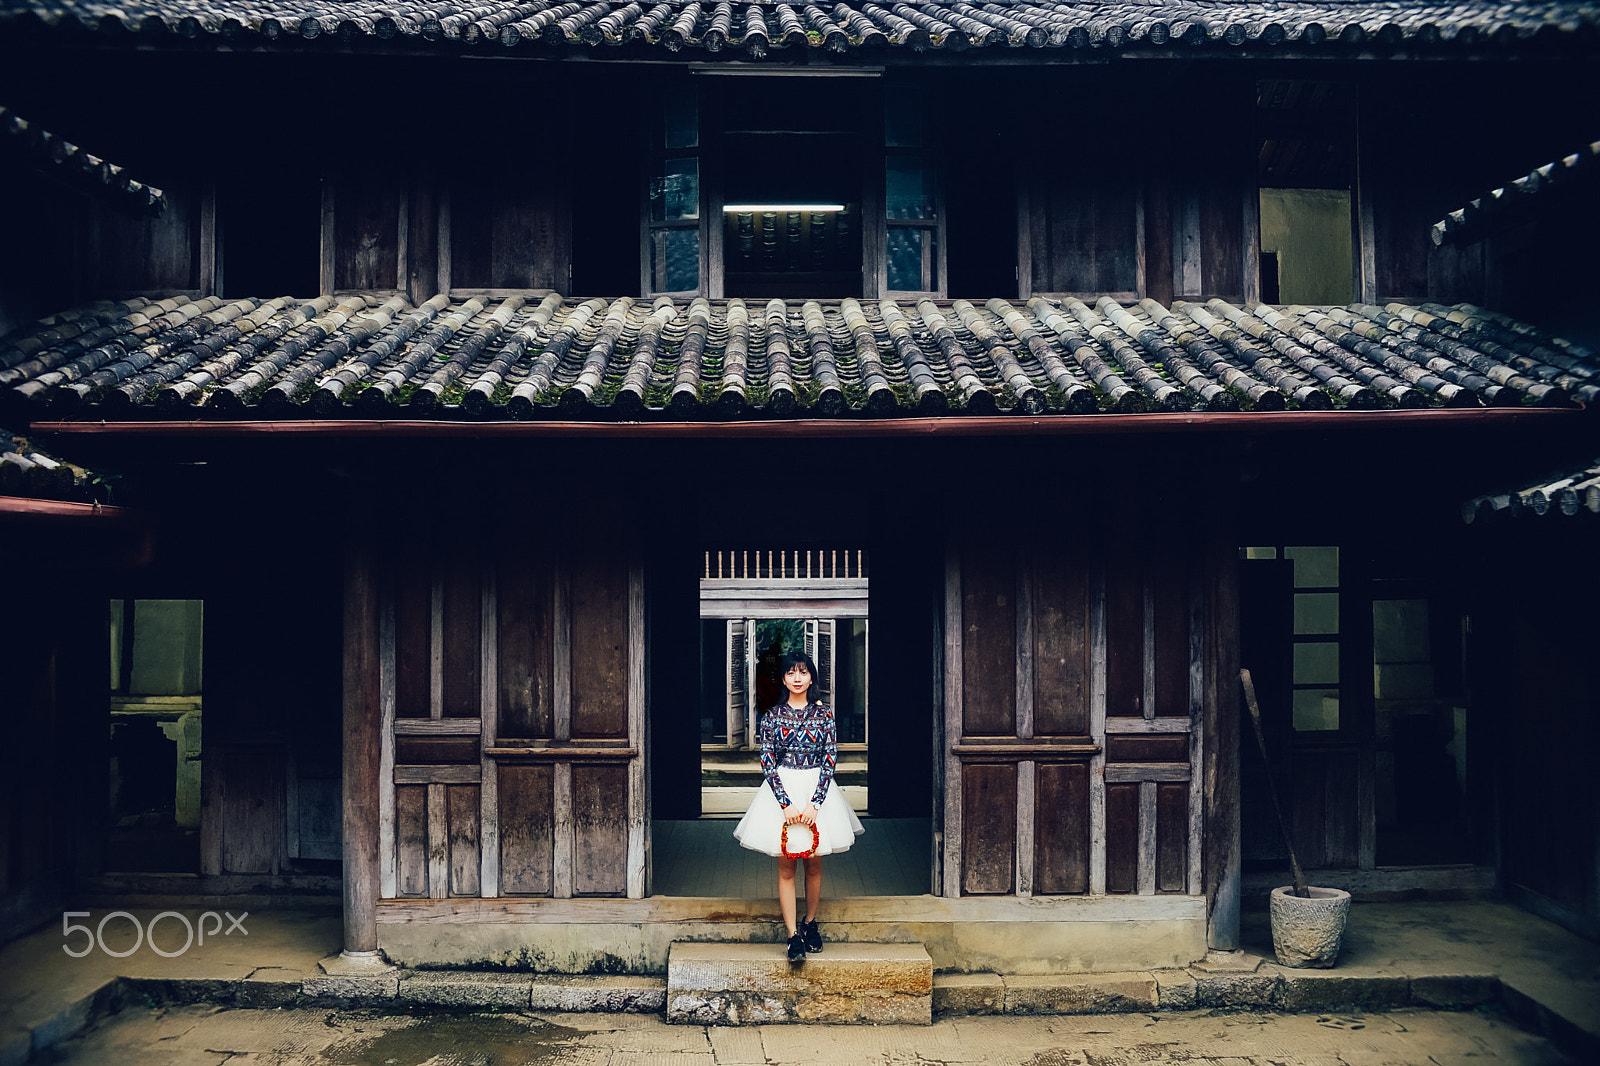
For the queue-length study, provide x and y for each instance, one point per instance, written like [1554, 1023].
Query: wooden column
[1363, 220]
[326, 267]
[1221, 751]
[362, 737]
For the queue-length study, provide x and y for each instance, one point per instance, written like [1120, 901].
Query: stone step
[751, 984]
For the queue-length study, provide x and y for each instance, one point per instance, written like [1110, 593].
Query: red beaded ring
[783, 842]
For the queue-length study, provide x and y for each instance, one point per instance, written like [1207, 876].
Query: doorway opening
[1305, 171]
[155, 703]
[756, 605]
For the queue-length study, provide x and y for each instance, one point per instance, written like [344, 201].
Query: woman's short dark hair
[791, 659]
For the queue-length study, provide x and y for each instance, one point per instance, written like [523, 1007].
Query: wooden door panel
[1124, 640]
[599, 635]
[1171, 631]
[1122, 837]
[600, 830]
[413, 626]
[524, 607]
[1172, 837]
[1061, 828]
[461, 631]
[1060, 600]
[463, 807]
[411, 840]
[989, 828]
[527, 829]
[988, 644]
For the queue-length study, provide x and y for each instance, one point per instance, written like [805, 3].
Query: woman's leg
[786, 890]
[813, 886]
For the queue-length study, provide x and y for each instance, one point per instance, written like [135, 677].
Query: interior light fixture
[731, 209]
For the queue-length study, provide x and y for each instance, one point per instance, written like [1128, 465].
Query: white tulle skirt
[761, 828]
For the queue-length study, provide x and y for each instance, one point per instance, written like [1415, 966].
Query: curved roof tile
[858, 26]
[541, 356]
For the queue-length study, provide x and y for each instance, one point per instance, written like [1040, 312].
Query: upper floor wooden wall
[1132, 184]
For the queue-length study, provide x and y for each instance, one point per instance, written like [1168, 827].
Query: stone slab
[1175, 990]
[1094, 993]
[742, 984]
[354, 988]
[466, 989]
[580, 994]
[1454, 991]
[968, 993]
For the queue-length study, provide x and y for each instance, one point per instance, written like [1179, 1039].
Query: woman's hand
[808, 816]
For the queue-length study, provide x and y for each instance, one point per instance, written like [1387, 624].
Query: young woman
[799, 748]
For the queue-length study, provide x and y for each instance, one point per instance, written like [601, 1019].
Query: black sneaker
[813, 936]
[797, 948]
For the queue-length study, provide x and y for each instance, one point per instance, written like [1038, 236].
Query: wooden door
[819, 645]
[738, 646]
[513, 702]
[1071, 723]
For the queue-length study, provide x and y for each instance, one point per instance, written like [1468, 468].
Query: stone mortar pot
[1306, 932]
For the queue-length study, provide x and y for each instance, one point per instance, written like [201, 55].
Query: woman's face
[798, 679]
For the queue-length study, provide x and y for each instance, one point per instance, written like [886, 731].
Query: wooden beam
[638, 732]
[210, 267]
[1145, 875]
[1250, 244]
[561, 664]
[387, 873]
[489, 711]
[362, 739]
[1147, 689]
[1097, 731]
[952, 724]
[1363, 220]
[1026, 813]
[1220, 769]
[561, 805]
[1196, 725]
[1024, 243]
[436, 647]
[1024, 680]
[1140, 772]
[325, 272]
[437, 774]
[442, 278]
[438, 843]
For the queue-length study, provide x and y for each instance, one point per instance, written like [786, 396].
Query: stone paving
[200, 1035]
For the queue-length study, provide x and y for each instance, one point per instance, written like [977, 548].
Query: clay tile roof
[544, 357]
[61, 159]
[27, 471]
[1574, 491]
[709, 27]
[1515, 201]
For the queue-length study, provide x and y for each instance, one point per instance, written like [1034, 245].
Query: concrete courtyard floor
[255, 991]
[199, 1035]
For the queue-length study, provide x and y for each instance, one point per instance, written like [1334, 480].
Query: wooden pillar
[362, 739]
[1221, 752]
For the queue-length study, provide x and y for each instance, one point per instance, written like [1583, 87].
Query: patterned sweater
[805, 738]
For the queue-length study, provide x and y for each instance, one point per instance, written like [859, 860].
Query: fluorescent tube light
[778, 208]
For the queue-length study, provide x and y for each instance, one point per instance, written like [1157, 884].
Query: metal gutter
[27, 506]
[829, 429]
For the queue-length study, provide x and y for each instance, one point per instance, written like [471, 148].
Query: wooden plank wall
[1072, 699]
[127, 254]
[513, 711]
[1083, 230]
[509, 226]
[370, 229]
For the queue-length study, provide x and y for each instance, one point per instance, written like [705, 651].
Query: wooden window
[913, 238]
[674, 230]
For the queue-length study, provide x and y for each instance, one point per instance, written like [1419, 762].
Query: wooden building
[491, 373]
